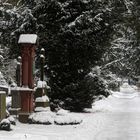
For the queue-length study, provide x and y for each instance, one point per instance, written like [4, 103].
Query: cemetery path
[114, 118]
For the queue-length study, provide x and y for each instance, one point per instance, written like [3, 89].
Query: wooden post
[25, 64]
[28, 44]
[30, 67]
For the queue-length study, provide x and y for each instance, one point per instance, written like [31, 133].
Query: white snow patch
[60, 118]
[102, 106]
[39, 109]
[42, 56]
[41, 84]
[11, 119]
[42, 99]
[126, 88]
[62, 112]
[42, 117]
[67, 120]
[126, 95]
[5, 121]
[28, 38]
[8, 101]
[27, 136]
[22, 88]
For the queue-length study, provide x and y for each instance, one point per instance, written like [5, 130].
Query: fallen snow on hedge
[42, 118]
[62, 117]
[67, 120]
[5, 125]
[12, 120]
[62, 112]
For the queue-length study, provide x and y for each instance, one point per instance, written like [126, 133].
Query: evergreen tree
[75, 35]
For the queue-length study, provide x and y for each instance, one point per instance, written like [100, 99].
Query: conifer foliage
[75, 34]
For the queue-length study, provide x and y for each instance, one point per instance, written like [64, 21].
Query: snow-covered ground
[114, 118]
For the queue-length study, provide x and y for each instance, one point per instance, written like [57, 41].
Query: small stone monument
[16, 101]
[28, 44]
[41, 99]
[2, 105]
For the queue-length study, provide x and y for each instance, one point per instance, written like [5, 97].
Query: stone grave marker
[2, 105]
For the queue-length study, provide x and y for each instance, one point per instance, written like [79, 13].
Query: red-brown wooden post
[28, 44]
[31, 67]
[25, 64]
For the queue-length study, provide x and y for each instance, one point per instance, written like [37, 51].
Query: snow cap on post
[27, 39]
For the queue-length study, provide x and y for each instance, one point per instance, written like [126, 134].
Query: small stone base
[23, 117]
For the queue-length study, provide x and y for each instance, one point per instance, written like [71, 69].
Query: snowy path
[115, 118]
[120, 126]
[123, 119]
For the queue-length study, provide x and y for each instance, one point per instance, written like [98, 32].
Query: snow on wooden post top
[27, 39]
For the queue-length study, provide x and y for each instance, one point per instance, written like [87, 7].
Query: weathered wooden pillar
[31, 66]
[2, 105]
[25, 64]
[28, 44]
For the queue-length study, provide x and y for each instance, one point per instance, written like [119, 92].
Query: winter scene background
[88, 57]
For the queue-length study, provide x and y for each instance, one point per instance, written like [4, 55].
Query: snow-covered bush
[76, 97]
[61, 117]
[41, 118]
[62, 112]
[5, 125]
[12, 120]
[67, 120]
